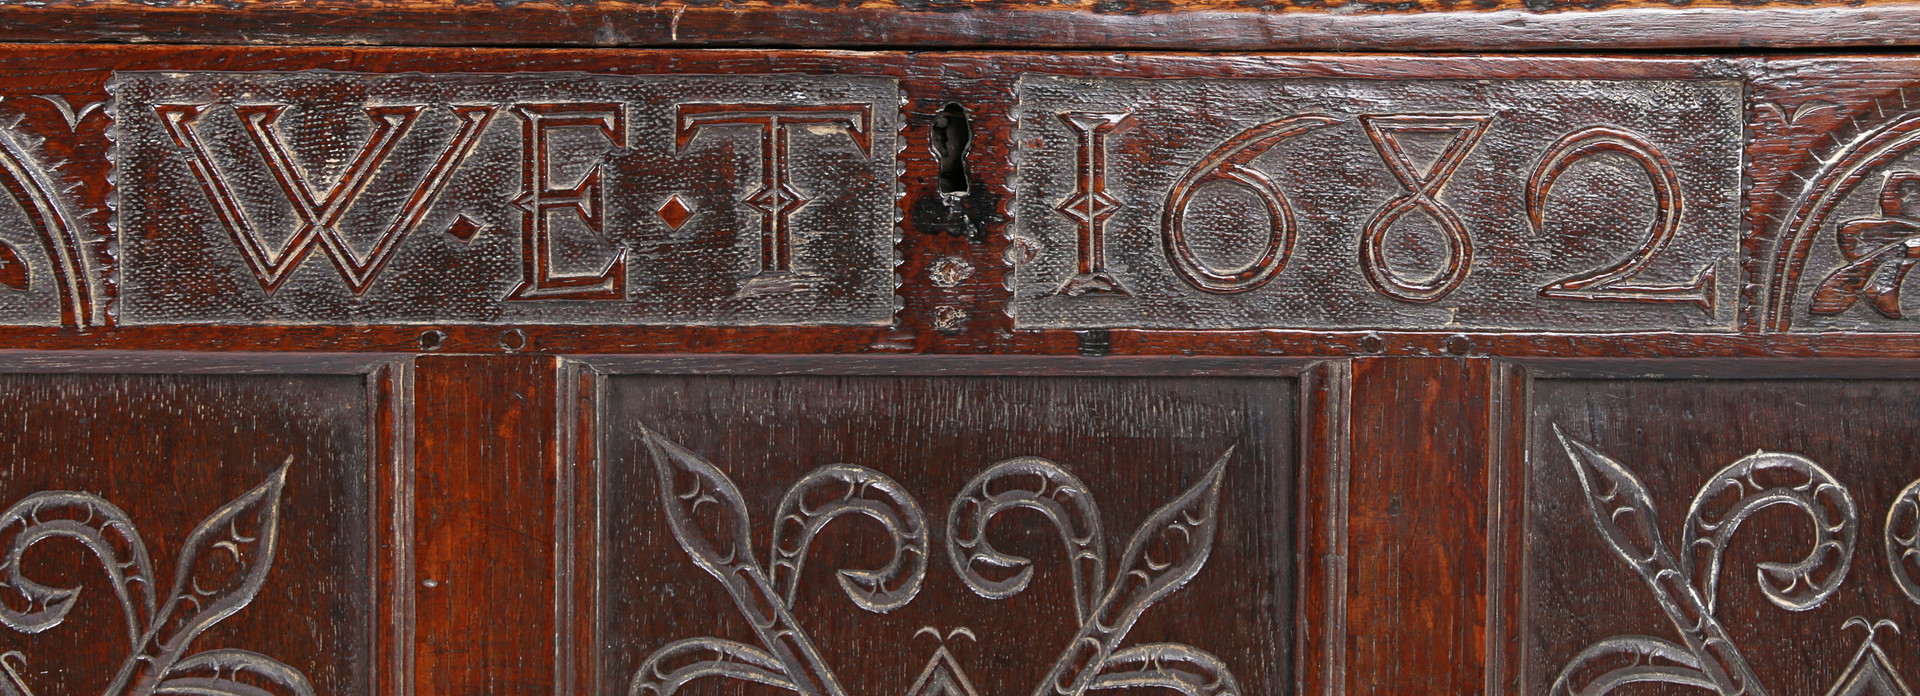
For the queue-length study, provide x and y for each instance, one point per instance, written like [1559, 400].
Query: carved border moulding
[1168, 549]
[534, 198]
[222, 565]
[1489, 205]
[1684, 580]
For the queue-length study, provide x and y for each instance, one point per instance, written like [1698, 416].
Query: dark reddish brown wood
[930, 432]
[1325, 473]
[1417, 523]
[1827, 447]
[1372, 25]
[953, 290]
[484, 510]
[290, 463]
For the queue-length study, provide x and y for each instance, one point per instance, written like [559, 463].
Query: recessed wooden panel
[545, 198]
[171, 532]
[1488, 205]
[974, 535]
[1739, 536]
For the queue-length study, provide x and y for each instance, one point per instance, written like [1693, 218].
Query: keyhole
[949, 139]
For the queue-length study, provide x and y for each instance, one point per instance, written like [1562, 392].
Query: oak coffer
[926, 348]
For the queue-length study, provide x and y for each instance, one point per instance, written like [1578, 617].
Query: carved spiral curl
[1760, 481]
[96, 524]
[1903, 540]
[829, 492]
[1035, 484]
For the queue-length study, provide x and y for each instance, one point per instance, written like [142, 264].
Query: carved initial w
[320, 212]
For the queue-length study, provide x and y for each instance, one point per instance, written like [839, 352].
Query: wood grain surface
[1593, 219]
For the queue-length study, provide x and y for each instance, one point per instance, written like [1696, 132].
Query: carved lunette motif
[1167, 551]
[1685, 584]
[159, 633]
[45, 201]
[546, 197]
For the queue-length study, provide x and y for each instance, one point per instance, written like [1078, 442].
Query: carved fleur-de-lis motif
[222, 566]
[1686, 584]
[1880, 251]
[708, 516]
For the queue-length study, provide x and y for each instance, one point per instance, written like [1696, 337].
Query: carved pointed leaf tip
[705, 510]
[1167, 551]
[223, 563]
[1622, 509]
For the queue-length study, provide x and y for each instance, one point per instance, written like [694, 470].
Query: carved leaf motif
[825, 494]
[705, 510]
[233, 673]
[1165, 552]
[672, 666]
[1623, 660]
[1881, 251]
[96, 524]
[1182, 668]
[223, 564]
[1760, 481]
[1620, 505]
[13, 271]
[709, 519]
[1624, 514]
[1035, 484]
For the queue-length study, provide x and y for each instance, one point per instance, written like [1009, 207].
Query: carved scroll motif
[1685, 584]
[709, 518]
[222, 566]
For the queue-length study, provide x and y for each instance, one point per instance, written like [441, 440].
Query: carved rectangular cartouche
[549, 198]
[1573, 205]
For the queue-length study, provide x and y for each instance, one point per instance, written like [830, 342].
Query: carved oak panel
[1467, 205]
[1729, 536]
[195, 533]
[1835, 232]
[939, 536]
[551, 198]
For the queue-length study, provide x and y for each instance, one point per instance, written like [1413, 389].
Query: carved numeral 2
[1611, 284]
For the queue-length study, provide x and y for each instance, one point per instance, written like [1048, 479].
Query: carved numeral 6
[1610, 284]
[1227, 165]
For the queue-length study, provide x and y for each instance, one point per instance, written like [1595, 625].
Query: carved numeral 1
[1422, 188]
[1090, 205]
[1227, 165]
[540, 198]
[776, 199]
[1610, 284]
